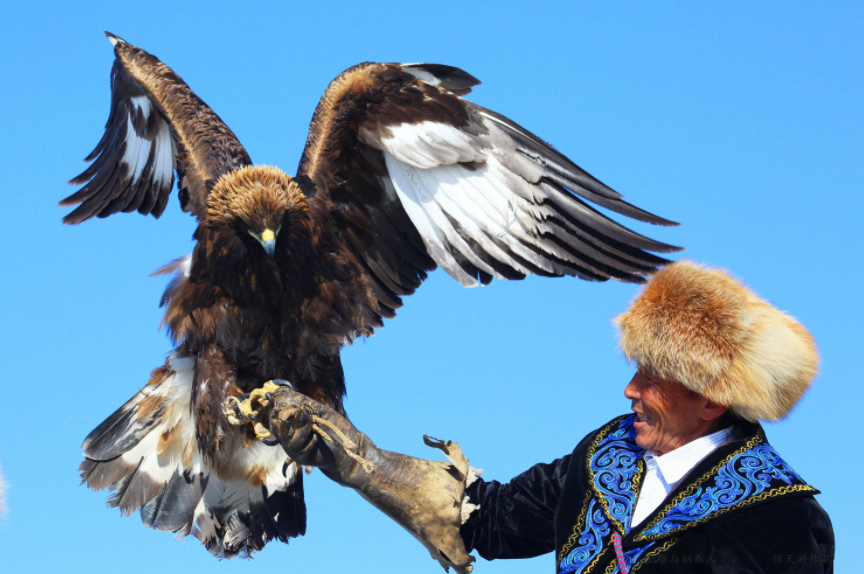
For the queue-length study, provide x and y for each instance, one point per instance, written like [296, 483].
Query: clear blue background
[742, 120]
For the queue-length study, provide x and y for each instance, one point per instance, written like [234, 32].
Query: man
[687, 482]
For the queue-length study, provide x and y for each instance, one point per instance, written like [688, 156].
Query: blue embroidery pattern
[754, 472]
[615, 469]
[746, 476]
[590, 541]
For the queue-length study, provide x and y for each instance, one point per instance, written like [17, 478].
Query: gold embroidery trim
[759, 438]
[636, 477]
[692, 488]
[577, 530]
[637, 484]
[614, 564]
[758, 498]
[596, 559]
[655, 552]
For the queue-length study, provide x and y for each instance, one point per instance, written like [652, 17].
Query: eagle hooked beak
[267, 239]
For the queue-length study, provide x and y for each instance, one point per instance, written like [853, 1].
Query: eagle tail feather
[146, 453]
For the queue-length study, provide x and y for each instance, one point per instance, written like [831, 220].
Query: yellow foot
[262, 396]
[261, 432]
[252, 409]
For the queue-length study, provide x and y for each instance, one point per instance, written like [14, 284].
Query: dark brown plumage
[400, 174]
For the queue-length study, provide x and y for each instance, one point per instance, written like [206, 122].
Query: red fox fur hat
[702, 328]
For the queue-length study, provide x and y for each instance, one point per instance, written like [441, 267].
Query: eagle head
[256, 211]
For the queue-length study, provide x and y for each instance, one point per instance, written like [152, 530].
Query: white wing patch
[133, 167]
[430, 144]
[487, 203]
[458, 209]
[138, 148]
[423, 75]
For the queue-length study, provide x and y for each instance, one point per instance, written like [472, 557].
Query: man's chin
[643, 433]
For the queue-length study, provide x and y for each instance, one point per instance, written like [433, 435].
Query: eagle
[400, 175]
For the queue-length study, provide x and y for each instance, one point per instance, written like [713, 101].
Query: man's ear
[713, 411]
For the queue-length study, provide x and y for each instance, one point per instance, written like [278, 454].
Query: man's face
[669, 414]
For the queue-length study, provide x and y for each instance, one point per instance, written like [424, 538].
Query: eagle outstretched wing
[156, 125]
[414, 177]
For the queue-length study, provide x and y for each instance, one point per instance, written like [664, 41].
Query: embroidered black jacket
[741, 510]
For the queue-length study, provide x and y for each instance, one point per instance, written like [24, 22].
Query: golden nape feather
[253, 191]
[400, 174]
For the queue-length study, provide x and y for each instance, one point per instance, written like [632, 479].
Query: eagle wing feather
[414, 176]
[156, 126]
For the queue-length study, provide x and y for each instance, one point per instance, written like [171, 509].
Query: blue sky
[742, 121]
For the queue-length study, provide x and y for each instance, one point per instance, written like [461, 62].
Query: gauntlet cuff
[425, 497]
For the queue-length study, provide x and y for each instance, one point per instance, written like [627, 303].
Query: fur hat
[705, 329]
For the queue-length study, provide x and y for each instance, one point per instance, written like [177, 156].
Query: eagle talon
[261, 395]
[270, 441]
[261, 432]
[233, 411]
[251, 407]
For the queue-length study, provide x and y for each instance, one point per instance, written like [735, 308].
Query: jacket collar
[675, 465]
[743, 472]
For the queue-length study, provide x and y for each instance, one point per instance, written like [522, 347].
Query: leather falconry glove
[423, 496]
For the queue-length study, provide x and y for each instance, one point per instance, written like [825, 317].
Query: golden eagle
[400, 174]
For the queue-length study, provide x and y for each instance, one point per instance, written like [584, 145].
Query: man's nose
[631, 391]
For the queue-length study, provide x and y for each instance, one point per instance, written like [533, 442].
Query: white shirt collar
[676, 464]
